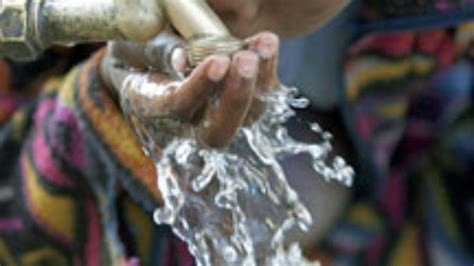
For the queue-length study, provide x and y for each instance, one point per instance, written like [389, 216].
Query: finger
[224, 117]
[166, 53]
[266, 45]
[182, 100]
[200, 86]
[156, 53]
[179, 60]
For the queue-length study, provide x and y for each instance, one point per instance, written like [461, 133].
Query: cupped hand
[210, 102]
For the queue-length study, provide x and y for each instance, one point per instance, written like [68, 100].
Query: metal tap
[28, 27]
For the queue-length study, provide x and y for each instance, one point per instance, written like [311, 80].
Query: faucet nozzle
[27, 27]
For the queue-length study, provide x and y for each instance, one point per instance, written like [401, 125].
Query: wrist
[111, 75]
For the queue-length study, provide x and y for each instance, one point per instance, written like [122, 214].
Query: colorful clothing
[75, 187]
[409, 105]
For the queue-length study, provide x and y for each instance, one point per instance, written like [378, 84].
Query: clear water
[232, 206]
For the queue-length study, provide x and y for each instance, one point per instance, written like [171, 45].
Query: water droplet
[230, 255]
[299, 103]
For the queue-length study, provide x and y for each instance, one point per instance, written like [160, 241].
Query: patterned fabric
[21, 81]
[75, 187]
[409, 97]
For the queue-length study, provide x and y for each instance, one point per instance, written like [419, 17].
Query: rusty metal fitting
[16, 37]
[27, 27]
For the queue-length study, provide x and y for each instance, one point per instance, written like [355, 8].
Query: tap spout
[27, 27]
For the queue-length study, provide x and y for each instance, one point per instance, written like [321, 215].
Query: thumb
[156, 54]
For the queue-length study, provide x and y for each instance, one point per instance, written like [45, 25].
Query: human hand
[211, 102]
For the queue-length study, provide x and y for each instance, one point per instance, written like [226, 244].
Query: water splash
[233, 206]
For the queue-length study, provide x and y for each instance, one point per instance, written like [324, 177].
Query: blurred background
[393, 80]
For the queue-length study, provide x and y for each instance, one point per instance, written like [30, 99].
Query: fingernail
[267, 47]
[247, 65]
[218, 68]
[178, 59]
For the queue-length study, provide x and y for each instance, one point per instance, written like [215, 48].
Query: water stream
[233, 206]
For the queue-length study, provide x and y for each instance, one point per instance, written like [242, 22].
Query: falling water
[233, 206]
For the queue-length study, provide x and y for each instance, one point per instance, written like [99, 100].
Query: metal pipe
[72, 21]
[27, 27]
[201, 28]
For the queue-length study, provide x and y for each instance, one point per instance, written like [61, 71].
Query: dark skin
[284, 18]
[237, 80]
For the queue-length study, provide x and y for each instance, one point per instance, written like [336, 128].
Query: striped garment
[75, 187]
[409, 105]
